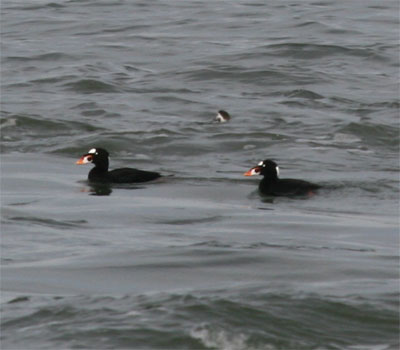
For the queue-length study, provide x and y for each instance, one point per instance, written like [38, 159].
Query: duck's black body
[122, 175]
[100, 173]
[286, 187]
[273, 186]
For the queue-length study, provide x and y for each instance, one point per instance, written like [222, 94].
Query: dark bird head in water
[222, 116]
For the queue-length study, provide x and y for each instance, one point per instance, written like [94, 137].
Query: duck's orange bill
[81, 161]
[84, 159]
[253, 171]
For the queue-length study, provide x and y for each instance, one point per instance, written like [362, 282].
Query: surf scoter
[272, 185]
[100, 158]
[222, 117]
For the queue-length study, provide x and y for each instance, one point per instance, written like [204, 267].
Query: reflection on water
[105, 189]
[100, 189]
[97, 189]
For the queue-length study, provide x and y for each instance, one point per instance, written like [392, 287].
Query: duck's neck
[269, 179]
[99, 170]
[102, 165]
[98, 174]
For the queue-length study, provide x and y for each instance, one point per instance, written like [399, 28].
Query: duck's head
[266, 168]
[222, 117]
[97, 156]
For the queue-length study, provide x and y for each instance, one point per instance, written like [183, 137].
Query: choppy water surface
[198, 260]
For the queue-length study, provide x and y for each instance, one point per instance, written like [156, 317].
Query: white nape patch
[277, 170]
[92, 151]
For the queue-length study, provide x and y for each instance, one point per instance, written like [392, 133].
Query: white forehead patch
[261, 164]
[92, 151]
[277, 170]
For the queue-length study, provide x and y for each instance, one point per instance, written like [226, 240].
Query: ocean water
[198, 259]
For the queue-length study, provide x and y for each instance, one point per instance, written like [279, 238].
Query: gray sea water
[198, 259]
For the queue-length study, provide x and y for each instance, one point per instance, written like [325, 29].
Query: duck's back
[123, 175]
[131, 175]
[287, 187]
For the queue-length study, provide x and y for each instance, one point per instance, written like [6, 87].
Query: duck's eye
[89, 158]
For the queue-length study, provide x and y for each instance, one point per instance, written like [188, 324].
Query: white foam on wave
[9, 122]
[220, 339]
[370, 347]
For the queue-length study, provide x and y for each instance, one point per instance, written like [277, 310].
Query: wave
[92, 86]
[238, 320]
